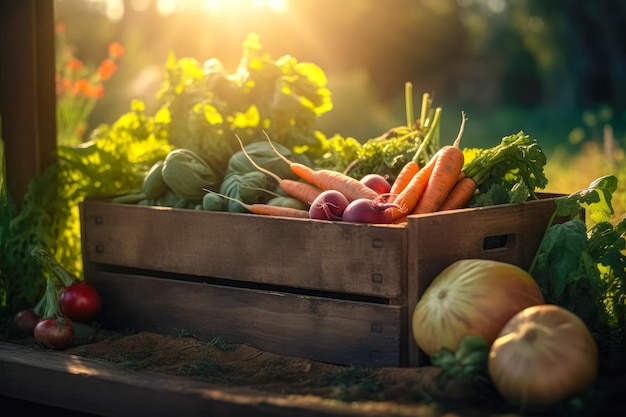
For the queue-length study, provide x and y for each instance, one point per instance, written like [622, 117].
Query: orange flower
[98, 91]
[65, 85]
[83, 86]
[60, 28]
[75, 64]
[107, 68]
[116, 50]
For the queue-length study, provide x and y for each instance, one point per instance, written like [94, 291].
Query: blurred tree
[576, 45]
[403, 40]
[491, 55]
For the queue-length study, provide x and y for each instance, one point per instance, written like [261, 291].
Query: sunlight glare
[276, 6]
[279, 6]
[166, 7]
[212, 4]
[114, 10]
[139, 5]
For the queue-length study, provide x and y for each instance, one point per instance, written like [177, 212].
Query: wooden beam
[27, 90]
[82, 385]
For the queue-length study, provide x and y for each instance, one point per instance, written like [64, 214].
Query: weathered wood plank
[27, 96]
[342, 257]
[322, 329]
[100, 388]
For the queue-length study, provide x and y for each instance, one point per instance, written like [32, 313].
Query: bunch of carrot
[438, 185]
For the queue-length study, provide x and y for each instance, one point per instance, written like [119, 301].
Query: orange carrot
[460, 195]
[407, 198]
[404, 176]
[326, 179]
[401, 220]
[443, 177]
[266, 209]
[299, 190]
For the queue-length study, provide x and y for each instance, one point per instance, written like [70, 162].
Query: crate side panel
[508, 233]
[327, 330]
[349, 258]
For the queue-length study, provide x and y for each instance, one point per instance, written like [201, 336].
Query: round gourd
[471, 297]
[542, 356]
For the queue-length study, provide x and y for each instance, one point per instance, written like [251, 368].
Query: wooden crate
[335, 292]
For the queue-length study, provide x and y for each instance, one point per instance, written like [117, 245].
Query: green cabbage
[246, 183]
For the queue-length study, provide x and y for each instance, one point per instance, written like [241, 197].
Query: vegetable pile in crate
[507, 173]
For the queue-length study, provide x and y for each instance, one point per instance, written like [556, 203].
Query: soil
[242, 365]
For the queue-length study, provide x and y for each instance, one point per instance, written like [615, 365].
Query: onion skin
[543, 355]
[471, 297]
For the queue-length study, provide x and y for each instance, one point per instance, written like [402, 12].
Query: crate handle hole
[499, 242]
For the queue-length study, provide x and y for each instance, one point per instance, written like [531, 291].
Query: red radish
[54, 332]
[329, 205]
[26, 320]
[80, 302]
[377, 182]
[374, 211]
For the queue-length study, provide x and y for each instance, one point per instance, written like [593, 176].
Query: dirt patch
[241, 365]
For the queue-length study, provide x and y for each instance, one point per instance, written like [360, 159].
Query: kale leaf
[581, 262]
[509, 172]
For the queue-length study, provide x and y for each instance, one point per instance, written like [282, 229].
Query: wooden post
[27, 90]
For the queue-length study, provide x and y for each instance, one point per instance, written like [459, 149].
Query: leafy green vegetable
[248, 187]
[246, 183]
[39, 222]
[264, 155]
[212, 202]
[339, 152]
[208, 106]
[470, 360]
[113, 162]
[507, 173]
[596, 198]
[388, 153]
[21, 228]
[583, 268]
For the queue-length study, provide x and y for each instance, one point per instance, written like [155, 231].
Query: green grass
[568, 173]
